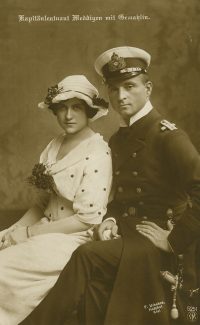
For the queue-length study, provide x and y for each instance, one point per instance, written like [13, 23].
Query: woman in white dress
[75, 170]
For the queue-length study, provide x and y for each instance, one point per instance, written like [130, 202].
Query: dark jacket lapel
[128, 141]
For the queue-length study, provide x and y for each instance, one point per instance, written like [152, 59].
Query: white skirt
[30, 269]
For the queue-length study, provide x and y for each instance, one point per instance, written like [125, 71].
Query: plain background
[37, 55]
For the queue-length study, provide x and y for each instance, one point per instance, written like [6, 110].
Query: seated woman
[75, 170]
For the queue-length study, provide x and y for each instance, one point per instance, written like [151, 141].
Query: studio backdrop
[44, 41]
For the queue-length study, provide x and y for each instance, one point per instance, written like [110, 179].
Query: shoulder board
[166, 125]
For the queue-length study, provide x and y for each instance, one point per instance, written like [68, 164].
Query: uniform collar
[129, 140]
[144, 111]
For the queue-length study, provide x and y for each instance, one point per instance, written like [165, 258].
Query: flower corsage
[41, 178]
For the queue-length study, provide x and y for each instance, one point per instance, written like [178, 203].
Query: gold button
[169, 213]
[131, 211]
[135, 173]
[117, 172]
[138, 190]
[134, 154]
[120, 189]
[124, 215]
[144, 218]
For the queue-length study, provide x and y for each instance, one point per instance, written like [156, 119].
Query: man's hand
[155, 234]
[106, 230]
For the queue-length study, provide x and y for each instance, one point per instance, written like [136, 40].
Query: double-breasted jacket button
[120, 189]
[131, 211]
[125, 214]
[141, 203]
[117, 172]
[144, 218]
[134, 154]
[169, 213]
[138, 190]
[135, 173]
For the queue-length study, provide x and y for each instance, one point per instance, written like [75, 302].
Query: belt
[136, 220]
[149, 212]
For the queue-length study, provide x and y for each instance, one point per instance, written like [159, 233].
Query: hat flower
[97, 101]
[52, 92]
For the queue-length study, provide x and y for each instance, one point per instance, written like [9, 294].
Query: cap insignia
[135, 69]
[116, 63]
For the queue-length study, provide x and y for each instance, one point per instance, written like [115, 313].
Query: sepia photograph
[100, 162]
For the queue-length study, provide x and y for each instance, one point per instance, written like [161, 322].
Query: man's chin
[125, 114]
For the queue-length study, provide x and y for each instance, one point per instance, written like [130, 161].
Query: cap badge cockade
[116, 63]
[52, 92]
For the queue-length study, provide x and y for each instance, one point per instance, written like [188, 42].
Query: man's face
[127, 97]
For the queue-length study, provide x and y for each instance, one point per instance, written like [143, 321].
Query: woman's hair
[90, 112]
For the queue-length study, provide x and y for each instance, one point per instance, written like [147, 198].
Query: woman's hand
[106, 230]
[155, 234]
[13, 237]
[5, 242]
[4, 238]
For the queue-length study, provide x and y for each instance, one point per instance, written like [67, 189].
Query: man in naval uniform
[153, 218]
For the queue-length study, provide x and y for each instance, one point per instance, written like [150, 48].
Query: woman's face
[71, 115]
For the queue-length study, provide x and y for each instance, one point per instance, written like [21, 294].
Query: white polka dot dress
[82, 185]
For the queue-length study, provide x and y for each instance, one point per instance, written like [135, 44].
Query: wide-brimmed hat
[76, 86]
[122, 63]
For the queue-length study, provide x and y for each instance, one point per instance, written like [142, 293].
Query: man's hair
[145, 77]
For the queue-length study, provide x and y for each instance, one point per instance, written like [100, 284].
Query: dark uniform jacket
[156, 178]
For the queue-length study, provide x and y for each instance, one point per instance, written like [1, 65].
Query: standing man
[156, 182]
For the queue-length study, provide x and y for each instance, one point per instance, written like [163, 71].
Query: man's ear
[149, 87]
